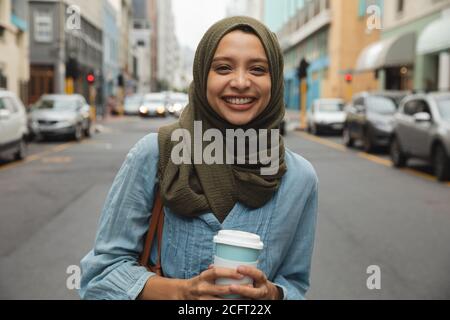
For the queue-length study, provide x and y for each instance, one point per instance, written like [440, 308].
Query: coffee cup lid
[239, 238]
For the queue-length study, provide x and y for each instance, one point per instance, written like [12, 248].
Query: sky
[194, 17]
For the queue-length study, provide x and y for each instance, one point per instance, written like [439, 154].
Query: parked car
[13, 126]
[177, 101]
[132, 104]
[153, 105]
[61, 115]
[369, 118]
[422, 130]
[326, 115]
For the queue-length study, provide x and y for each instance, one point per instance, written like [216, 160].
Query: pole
[303, 90]
[92, 96]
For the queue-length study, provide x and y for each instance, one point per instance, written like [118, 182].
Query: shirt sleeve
[111, 270]
[293, 275]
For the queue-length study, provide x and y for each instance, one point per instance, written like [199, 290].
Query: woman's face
[239, 82]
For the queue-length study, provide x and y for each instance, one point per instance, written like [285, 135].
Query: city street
[369, 215]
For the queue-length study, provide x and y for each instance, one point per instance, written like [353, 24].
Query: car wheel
[348, 140]
[78, 134]
[441, 164]
[87, 131]
[21, 151]
[367, 143]
[398, 158]
[314, 130]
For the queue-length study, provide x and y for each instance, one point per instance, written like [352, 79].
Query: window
[10, 105]
[415, 106]
[43, 26]
[400, 6]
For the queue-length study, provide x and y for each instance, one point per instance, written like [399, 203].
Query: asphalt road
[369, 215]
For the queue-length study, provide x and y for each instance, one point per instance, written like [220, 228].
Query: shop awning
[435, 37]
[392, 52]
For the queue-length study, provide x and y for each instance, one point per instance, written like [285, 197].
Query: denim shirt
[286, 225]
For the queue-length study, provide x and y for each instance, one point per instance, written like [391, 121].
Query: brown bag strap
[155, 228]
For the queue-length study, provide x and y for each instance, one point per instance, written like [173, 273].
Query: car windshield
[133, 100]
[58, 104]
[444, 108]
[154, 100]
[383, 105]
[330, 107]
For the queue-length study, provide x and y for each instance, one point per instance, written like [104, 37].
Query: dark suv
[369, 118]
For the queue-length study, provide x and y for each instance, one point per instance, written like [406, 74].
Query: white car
[153, 105]
[13, 126]
[326, 115]
[132, 104]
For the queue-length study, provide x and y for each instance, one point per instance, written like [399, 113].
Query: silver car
[61, 115]
[422, 130]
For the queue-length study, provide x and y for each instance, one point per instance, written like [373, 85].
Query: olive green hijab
[193, 189]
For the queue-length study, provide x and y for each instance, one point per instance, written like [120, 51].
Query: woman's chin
[239, 119]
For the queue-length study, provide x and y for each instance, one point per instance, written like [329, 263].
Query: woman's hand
[262, 288]
[203, 287]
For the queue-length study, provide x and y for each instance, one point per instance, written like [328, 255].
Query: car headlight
[160, 109]
[177, 107]
[384, 126]
[143, 109]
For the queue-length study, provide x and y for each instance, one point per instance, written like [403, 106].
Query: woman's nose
[241, 80]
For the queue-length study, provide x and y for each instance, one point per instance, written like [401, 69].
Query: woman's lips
[238, 106]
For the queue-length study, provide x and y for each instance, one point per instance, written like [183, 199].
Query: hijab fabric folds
[193, 189]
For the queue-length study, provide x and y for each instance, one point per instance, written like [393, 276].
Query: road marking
[326, 142]
[40, 155]
[53, 160]
[370, 157]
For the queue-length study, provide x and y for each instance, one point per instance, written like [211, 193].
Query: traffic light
[302, 69]
[90, 78]
[348, 77]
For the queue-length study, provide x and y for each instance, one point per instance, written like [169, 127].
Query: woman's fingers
[213, 273]
[208, 289]
[257, 275]
[250, 292]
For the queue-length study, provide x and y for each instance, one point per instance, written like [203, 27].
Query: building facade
[111, 63]
[329, 35]
[250, 8]
[14, 47]
[413, 52]
[66, 44]
[141, 40]
[168, 49]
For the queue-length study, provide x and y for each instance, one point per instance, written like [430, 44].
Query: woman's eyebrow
[253, 60]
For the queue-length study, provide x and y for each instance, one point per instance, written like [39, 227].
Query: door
[421, 131]
[360, 118]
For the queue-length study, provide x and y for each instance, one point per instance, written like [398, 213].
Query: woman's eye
[258, 70]
[222, 69]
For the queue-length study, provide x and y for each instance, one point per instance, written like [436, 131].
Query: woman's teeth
[239, 100]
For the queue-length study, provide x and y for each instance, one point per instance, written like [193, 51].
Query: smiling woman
[238, 86]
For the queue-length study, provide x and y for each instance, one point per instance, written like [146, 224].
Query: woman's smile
[239, 103]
